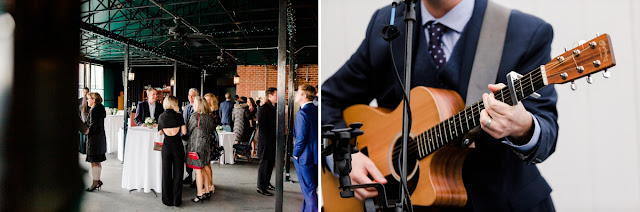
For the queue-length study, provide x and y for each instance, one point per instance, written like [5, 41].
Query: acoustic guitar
[439, 117]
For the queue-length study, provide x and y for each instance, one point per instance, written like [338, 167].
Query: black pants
[264, 172]
[172, 172]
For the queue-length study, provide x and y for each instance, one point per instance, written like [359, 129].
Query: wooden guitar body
[435, 180]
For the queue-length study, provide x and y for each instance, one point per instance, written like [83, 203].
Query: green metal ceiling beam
[136, 44]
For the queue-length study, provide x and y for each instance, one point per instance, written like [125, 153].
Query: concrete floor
[235, 191]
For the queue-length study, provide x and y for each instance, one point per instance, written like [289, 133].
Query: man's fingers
[496, 87]
[491, 129]
[375, 173]
[497, 106]
[358, 196]
[362, 168]
[363, 179]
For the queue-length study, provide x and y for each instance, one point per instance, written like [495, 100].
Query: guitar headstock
[585, 59]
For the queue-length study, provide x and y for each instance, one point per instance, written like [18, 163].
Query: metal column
[39, 151]
[282, 75]
[175, 79]
[292, 87]
[126, 100]
[202, 73]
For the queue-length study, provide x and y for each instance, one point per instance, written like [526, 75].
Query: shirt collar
[302, 106]
[455, 19]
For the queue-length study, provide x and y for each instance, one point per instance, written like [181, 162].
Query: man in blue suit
[305, 149]
[500, 173]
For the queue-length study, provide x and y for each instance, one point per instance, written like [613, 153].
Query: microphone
[391, 32]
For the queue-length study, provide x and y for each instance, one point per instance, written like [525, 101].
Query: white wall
[596, 164]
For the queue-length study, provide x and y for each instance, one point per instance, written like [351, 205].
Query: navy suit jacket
[496, 177]
[143, 111]
[306, 134]
[225, 112]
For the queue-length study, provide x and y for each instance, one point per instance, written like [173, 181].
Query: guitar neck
[459, 124]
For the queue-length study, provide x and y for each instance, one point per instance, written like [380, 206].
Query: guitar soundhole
[413, 172]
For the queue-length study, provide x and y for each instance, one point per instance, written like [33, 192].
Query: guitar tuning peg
[606, 74]
[566, 49]
[580, 42]
[574, 87]
[597, 34]
[589, 79]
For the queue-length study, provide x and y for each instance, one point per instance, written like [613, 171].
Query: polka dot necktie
[435, 43]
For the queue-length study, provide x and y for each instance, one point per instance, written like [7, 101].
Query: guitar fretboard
[452, 128]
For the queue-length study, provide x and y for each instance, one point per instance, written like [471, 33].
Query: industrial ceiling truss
[195, 33]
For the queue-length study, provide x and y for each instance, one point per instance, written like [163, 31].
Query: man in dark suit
[500, 173]
[305, 149]
[267, 142]
[149, 108]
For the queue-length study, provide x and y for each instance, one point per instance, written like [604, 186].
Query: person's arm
[186, 113]
[93, 121]
[139, 115]
[543, 110]
[220, 113]
[354, 82]
[299, 131]
[159, 110]
[160, 124]
[357, 82]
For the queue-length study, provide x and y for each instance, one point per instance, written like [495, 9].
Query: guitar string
[413, 146]
[457, 125]
[538, 77]
[422, 136]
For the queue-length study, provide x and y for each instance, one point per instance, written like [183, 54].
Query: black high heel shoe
[207, 196]
[93, 187]
[100, 184]
[198, 199]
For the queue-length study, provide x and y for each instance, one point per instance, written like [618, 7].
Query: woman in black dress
[171, 124]
[96, 138]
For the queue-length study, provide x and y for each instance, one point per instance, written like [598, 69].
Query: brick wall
[253, 77]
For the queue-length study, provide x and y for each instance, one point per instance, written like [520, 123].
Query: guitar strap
[489, 51]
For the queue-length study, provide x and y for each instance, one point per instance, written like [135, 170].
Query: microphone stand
[409, 19]
[389, 33]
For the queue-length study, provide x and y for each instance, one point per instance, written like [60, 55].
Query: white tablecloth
[120, 144]
[226, 140]
[142, 167]
[112, 123]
